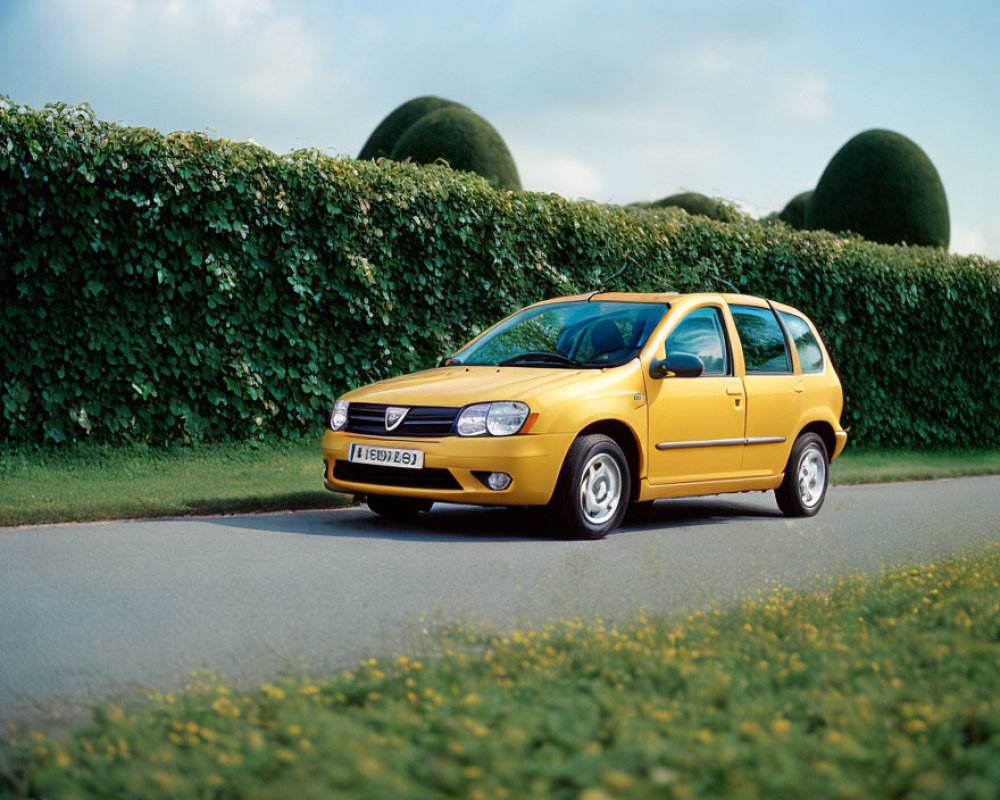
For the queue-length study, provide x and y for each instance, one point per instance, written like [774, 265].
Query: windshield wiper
[540, 356]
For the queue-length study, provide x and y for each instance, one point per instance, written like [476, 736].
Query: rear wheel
[807, 476]
[397, 508]
[593, 491]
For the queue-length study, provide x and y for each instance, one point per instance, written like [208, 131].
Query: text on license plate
[386, 456]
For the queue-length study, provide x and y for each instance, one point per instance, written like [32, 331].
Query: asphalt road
[90, 610]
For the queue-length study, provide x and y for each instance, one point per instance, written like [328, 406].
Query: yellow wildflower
[594, 793]
[619, 781]
[164, 779]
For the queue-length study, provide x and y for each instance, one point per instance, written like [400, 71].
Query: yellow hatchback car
[600, 403]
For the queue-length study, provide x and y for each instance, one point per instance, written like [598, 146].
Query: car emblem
[394, 417]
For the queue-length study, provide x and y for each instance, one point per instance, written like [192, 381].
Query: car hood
[460, 385]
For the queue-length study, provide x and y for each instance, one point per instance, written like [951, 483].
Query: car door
[775, 392]
[696, 424]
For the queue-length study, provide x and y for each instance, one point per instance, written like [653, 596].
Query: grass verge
[878, 688]
[885, 466]
[85, 482]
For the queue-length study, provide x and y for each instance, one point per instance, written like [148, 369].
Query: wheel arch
[825, 431]
[627, 440]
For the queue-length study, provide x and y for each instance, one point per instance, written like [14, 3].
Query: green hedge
[170, 287]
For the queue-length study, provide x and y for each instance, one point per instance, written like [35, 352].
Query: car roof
[655, 297]
[673, 298]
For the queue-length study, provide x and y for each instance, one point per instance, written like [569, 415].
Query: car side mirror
[678, 365]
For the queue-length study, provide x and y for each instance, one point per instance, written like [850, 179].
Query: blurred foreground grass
[874, 688]
[87, 482]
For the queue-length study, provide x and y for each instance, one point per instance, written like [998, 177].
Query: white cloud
[803, 97]
[230, 65]
[714, 61]
[545, 170]
[970, 240]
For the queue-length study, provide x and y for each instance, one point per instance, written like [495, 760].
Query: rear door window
[764, 348]
[810, 353]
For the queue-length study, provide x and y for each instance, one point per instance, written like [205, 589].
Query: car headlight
[506, 418]
[338, 419]
[503, 418]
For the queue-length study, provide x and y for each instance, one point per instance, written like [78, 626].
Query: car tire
[400, 509]
[807, 476]
[592, 494]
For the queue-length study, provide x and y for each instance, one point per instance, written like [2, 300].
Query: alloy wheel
[600, 488]
[811, 477]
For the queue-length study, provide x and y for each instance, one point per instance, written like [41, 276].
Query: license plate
[385, 456]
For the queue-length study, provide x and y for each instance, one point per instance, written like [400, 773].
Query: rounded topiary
[385, 136]
[463, 139]
[882, 186]
[697, 204]
[794, 214]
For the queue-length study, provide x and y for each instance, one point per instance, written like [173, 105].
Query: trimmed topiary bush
[389, 130]
[882, 186]
[463, 139]
[697, 204]
[794, 213]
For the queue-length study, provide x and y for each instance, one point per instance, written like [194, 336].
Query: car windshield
[571, 335]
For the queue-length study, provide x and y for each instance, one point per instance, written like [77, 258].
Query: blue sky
[616, 101]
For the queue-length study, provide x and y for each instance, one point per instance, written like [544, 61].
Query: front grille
[378, 475]
[369, 418]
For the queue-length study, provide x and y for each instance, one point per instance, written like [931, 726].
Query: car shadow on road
[448, 523]
[692, 511]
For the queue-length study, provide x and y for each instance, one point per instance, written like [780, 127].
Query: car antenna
[605, 283]
[727, 283]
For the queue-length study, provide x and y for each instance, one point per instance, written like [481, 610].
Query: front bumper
[533, 461]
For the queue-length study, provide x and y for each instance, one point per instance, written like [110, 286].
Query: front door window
[700, 334]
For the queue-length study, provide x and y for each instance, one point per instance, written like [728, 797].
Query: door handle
[734, 390]
[800, 386]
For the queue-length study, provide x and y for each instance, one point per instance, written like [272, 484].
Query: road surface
[90, 610]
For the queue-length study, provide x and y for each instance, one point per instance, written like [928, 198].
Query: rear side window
[764, 349]
[700, 334]
[810, 354]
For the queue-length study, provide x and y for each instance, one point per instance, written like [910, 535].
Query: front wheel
[593, 491]
[400, 509]
[807, 476]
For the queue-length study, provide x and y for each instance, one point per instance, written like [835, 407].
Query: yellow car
[599, 403]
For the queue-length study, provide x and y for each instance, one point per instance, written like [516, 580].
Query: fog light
[498, 481]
